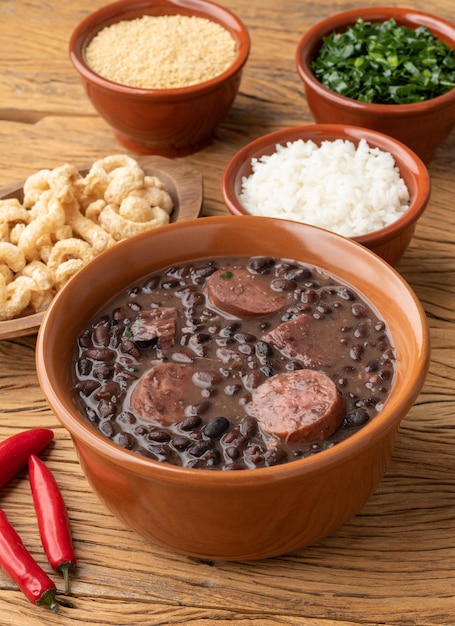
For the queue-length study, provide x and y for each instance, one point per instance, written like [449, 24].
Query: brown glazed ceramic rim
[411, 167]
[127, 9]
[186, 237]
[311, 41]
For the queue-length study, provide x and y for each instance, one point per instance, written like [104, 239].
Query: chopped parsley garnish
[385, 63]
[226, 275]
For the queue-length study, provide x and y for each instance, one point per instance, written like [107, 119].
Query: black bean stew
[233, 363]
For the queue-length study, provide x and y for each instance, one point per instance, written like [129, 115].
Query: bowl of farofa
[386, 68]
[355, 181]
[234, 453]
[162, 73]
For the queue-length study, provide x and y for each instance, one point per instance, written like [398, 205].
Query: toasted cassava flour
[161, 52]
[352, 190]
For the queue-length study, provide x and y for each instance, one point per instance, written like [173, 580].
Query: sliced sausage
[155, 327]
[298, 339]
[158, 395]
[238, 292]
[303, 405]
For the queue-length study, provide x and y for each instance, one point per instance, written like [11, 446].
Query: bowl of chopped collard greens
[386, 68]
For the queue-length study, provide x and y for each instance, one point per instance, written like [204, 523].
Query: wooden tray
[185, 187]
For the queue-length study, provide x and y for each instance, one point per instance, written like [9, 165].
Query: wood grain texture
[394, 562]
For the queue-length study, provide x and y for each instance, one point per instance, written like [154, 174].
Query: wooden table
[394, 562]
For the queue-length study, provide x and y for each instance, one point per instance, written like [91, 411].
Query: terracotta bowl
[168, 122]
[390, 242]
[422, 126]
[250, 513]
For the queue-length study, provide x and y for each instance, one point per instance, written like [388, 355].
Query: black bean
[263, 349]
[195, 411]
[169, 283]
[386, 374]
[103, 371]
[108, 391]
[207, 378]
[85, 339]
[212, 458]
[346, 293]
[87, 387]
[372, 366]
[248, 426]
[298, 273]
[101, 336]
[216, 427]
[125, 440]
[244, 337]
[356, 352]
[362, 330]
[194, 299]
[232, 452]
[180, 443]
[151, 284]
[254, 458]
[134, 291]
[125, 417]
[231, 390]
[267, 370]
[106, 409]
[323, 307]
[357, 417]
[141, 430]
[246, 349]
[230, 329]
[292, 366]
[309, 296]
[358, 310]
[191, 422]
[252, 380]
[124, 379]
[205, 271]
[162, 451]
[158, 436]
[107, 428]
[261, 265]
[275, 456]
[283, 284]
[101, 354]
[84, 366]
[129, 347]
[200, 447]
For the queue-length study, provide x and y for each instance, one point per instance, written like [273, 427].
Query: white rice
[340, 187]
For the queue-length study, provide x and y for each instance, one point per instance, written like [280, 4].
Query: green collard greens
[385, 63]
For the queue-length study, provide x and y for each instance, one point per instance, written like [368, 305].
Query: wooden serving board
[184, 185]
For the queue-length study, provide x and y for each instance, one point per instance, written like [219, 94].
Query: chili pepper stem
[65, 569]
[48, 600]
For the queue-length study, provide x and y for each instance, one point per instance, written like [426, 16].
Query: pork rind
[65, 220]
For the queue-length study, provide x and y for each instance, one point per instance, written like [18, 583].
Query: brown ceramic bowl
[168, 122]
[390, 242]
[250, 513]
[422, 126]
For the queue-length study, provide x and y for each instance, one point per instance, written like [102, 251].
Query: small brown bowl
[249, 513]
[168, 122]
[422, 126]
[390, 242]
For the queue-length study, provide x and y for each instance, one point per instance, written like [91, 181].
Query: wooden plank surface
[394, 562]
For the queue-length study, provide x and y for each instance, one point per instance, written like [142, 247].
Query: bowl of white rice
[353, 181]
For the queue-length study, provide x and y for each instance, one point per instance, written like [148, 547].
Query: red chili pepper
[53, 521]
[22, 568]
[15, 450]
